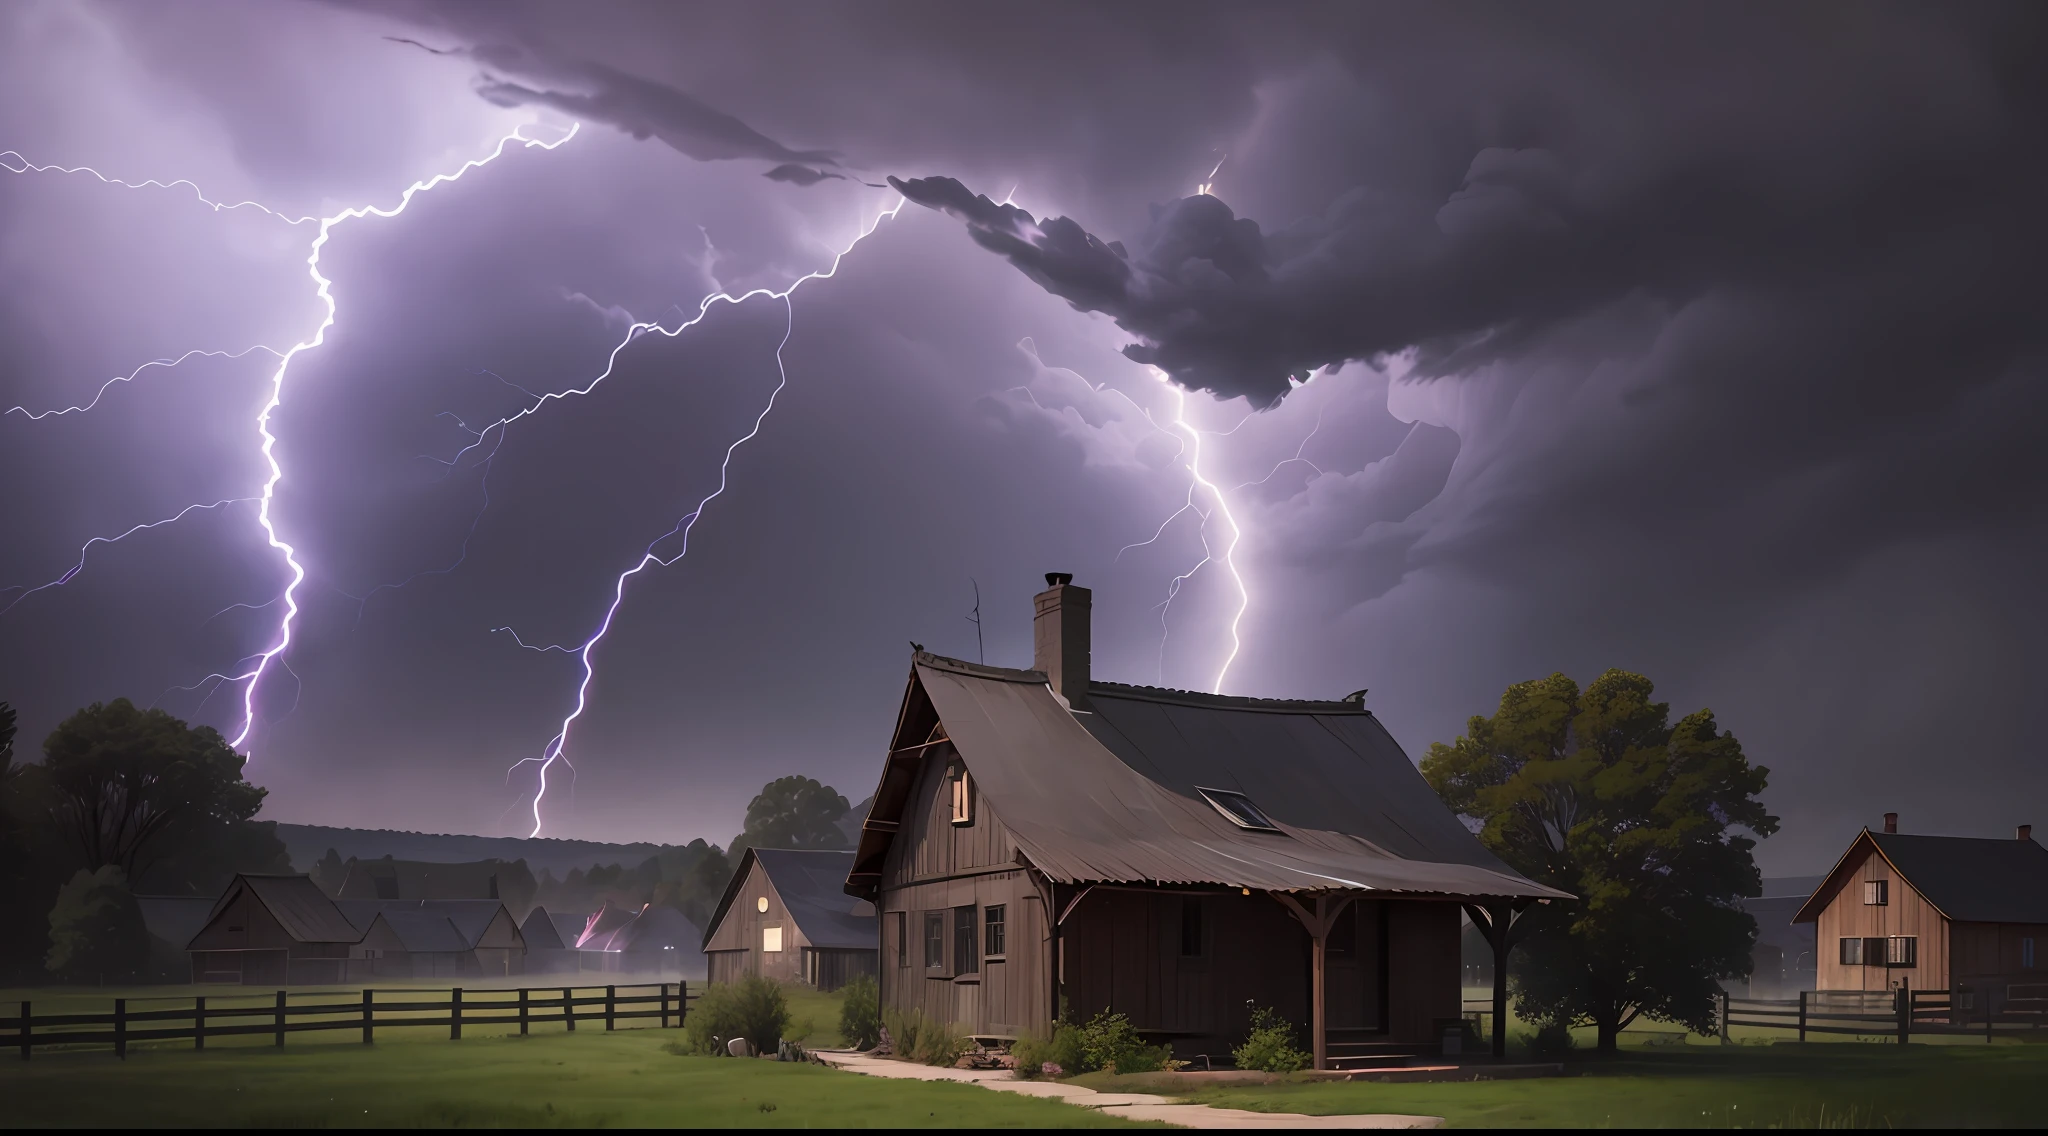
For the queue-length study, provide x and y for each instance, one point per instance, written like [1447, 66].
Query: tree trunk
[1610, 1034]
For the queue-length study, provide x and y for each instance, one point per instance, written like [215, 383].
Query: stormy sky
[1705, 341]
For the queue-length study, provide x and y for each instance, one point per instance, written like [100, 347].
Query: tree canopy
[794, 812]
[1594, 792]
[122, 780]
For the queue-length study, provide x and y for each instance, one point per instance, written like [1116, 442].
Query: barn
[273, 931]
[1040, 840]
[785, 914]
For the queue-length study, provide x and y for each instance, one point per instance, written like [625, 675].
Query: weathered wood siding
[243, 925]
[1905, 912]
[935, 865]
[1997, 950]
[739, 936]
[1422, 968]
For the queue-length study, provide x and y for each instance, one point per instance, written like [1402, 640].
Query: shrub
[1111, 1042]
[96, 930]
[1269, 1047]
[919, 1039]
[1551, 1039]
[1060, 1050]
[860, 1015]
[753, 1008]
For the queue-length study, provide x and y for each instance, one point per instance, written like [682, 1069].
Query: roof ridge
[978, 670]
[1239, 701]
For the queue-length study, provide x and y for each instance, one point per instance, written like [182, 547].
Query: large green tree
[794, 812]
[1596, 793]
[141, 789]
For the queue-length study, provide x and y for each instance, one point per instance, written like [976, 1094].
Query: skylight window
[1239, 809]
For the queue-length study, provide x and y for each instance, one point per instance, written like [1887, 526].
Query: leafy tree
[1595, 793]
[692, 878]
[123, 781]
[794, 812]
[96, 929]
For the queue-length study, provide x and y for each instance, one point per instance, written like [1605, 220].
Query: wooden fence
[1898, 1013]
[389, 1009]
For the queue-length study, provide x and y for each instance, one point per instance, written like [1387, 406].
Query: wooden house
[273, 931]
[1962, 914]
[646, 940]
[446, 938]
[1040, 840]
[786, 915]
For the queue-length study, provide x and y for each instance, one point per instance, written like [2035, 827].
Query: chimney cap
[1891, 822]
[1058, 579]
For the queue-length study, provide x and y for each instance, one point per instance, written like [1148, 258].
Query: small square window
[1876, 893]
[1239, 808]
[1902, 950]
[771, 939]
[993, 930]
[1852, 952]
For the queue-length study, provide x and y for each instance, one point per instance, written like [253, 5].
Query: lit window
[1239, 809]
[963, 794]
[1902, 950]
[771, 939]
[992, 930]
[1875, 893]
[761, 905]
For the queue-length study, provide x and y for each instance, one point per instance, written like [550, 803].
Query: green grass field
[1710, 1086]
[590, 1079]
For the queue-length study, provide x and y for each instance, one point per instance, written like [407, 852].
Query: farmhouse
[273, 931]
[1949, 913]
[786, 915]
[1040, 840]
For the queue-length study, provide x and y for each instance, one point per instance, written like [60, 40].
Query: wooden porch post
[1317, 1012]
[1503, 918]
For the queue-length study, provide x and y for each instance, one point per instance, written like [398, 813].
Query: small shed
[1964, 914]
[273, 931]
[786, 915]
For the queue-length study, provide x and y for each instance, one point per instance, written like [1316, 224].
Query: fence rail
[1898, 1013]
[524, 1007]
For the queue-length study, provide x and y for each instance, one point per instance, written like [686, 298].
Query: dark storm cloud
[640, 107]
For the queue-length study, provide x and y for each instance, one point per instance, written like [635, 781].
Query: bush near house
[754, 1008]
[1269, 1047]
[918, 1038]
[860, 1013]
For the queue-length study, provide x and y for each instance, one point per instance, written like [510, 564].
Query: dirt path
[1131, 1106]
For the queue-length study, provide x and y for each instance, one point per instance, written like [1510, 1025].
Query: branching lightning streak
[8, 158]
[558, 745]
[39, 415]
[75, 569]
[1229, 554]
[324, 289]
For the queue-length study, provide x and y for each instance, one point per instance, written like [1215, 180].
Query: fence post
[455, 1014]
[1724, 1017]
[1902, 1009]
[682, 1001]
[569, 1008]
[522, 1011]
[26, 1033]
[369, 1019]
[611, 1004]
[1802, 1013]
[280, 1019]
[121, 1028]
[199, 1022]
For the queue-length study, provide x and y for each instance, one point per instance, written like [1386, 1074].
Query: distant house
[645, 940]
[273, 931]
[417, 879]
[448, 938]
[550, 942]
[1040, 841]
[786, 915]
[1950, 913]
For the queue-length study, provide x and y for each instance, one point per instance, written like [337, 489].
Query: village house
[285, 931]
[786, 915]
[1040, 841]
[647, 940]
[1961, 914]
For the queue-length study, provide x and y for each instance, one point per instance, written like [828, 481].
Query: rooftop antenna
[979, 651]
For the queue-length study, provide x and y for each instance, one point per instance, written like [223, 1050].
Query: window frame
[995, 932]
[1876, 893]
[774, 929]
[1247, 815]
[966, 940]
[1902, 951]
[902, 921]
[935, 944]
[960, 789]
[1850, 951]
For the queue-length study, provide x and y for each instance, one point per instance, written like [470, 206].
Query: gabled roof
[470, 918]
[811, 885]
[1968, 879]
[422, 932]
[1109, 794]
[297, 903]
[542, 933]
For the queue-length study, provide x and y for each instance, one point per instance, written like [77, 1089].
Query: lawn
[589, 1079]
[1741, 1086]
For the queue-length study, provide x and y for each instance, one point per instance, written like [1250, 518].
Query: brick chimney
[1059, 637]
[2023, 832]
[1891, 822]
